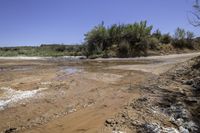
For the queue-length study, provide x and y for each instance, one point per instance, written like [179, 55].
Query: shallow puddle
[72, 70]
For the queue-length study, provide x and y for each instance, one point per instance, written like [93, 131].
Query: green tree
[96, 39]
[101, 39]
[189, 35]
[115, 33]
[180, 34]
[135, 33]
[183, 39]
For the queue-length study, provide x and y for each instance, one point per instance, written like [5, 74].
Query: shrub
[153, 43]
[59, 48]
[165, 39]
[140, 48]
[123, 50]
[179, 43]
[179, 34]
[157, 34]
[97, 39]
[100, 39]
[183, 39]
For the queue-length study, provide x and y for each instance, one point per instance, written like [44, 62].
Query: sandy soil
[49, 96]
[159, 64]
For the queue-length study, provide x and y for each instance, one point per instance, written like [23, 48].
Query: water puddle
[67, 71]
[10, 96]
[72, 70]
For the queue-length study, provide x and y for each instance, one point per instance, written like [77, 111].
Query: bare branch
[195, 21]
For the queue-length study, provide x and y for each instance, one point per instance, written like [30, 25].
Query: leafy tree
[96, 39]
[180, 33]
[115, 34]
[137, 32]
[100, 39]
[183, 39]
[189, 40]
[189, 35]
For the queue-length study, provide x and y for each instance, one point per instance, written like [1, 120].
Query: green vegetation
[43, 50]
[137, 39]
[117, 40]
[183, 39]
[124, 40]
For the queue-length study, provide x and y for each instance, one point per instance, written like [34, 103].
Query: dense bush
[153, 43]
[123, 49]
[140, 48]
[157, 34]
[133, 40]
[183, 39]
[128, 38]
[97, 40]
[165, 39]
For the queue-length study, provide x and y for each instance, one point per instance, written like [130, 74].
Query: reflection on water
[72, 70]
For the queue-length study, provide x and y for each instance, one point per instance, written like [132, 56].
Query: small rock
[110, 121]
[191, 126]
[72, 110]
[123, 115]
[172, 120]
[23, 104]
[188, 82]
[169, 130]
[153, 128]
[136, 123]
[10, 130]
[185, 114]
[179, 121]
[196, 83]
[191, 100]
[181, 91]
[118, 132]
[183, 130]
[143, 99]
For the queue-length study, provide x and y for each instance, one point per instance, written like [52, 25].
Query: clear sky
[32, 22]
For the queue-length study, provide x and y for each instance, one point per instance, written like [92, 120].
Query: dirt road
[49, 96]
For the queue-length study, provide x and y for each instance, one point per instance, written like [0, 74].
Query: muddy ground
[62, 96]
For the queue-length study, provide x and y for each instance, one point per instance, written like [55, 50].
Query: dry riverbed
[49, 96]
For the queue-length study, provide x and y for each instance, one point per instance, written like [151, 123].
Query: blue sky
[33, 22]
